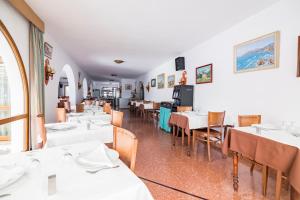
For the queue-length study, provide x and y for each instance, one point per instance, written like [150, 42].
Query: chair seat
[202, 133]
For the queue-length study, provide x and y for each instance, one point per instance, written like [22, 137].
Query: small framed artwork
[48, 49]
[153, 82]
[298, 68]
[161, 81]
[204, 74]
[171, 81]
[257, 54]
[128, 87]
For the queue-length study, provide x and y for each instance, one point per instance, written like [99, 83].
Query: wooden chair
[61, 115]
[125, 143]
[107, 108]
[209, 135]
[79, 108]
[248, 120]
[67, 106]
[184, 108]
[42, 130]
[117, 118]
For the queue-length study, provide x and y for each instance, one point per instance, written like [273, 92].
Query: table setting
[70, 132]
[79, 171]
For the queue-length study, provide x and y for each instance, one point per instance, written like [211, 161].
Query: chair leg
[252, 168]
[265, 173]
[278, 185]
[208, 150]
[182, 136]
[173, 137]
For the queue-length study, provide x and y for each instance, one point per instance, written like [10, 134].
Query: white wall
[127, 93]
[272, 93]
[18, 28]
[58, 61]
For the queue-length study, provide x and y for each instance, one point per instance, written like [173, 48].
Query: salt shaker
[51, 184]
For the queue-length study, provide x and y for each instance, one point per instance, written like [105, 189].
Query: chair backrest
[216, 119]
[125, 143]
[248, 120]
[42, 130]
[61, 115]
[156, 105]
[184, 108]
[107, 108]
[79, 108]
[117, 118]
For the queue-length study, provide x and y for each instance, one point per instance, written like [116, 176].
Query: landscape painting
[161, 81]
[171, 81]
[257, 54]
[204, 74]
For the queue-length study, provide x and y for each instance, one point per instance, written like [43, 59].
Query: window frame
[25, 115]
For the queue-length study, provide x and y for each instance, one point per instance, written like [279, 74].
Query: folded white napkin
[96, 158]
[9, 175]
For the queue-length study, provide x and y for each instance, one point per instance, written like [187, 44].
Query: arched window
[14, 107]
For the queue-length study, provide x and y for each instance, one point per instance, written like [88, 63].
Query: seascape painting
[257, 54]
[161, 81]
[204, 74]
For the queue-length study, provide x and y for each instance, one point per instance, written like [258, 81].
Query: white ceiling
[145, 33]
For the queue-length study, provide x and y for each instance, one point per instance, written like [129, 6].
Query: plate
[61, 127]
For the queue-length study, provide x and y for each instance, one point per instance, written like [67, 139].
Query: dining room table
[270, 146]
[59, 173]
[191, 120]
[72, 132]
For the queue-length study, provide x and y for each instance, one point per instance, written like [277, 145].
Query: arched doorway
[14, 96]
[68, 86]
[84, 88]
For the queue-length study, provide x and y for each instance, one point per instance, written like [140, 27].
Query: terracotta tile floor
[159, 161]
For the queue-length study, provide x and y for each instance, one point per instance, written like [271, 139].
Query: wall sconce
[49, 71]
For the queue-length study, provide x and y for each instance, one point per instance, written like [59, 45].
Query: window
[14, 118]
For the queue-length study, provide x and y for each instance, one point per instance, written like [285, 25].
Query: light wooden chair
[61, 115]
[42, 130]
[209, 135]
[184, 108]
[67, 106]
[117, 118]
[79, 108]
[125, 143]
[107, 108]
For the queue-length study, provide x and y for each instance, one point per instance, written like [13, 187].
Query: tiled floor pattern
[159, 161]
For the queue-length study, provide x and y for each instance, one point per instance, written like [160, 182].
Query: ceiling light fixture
[119, 61]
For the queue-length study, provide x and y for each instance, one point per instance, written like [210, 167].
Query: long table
[277, 149]
[72, 181]
[102, 133]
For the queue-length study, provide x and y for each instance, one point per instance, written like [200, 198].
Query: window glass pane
[11, 85]
[10, 136]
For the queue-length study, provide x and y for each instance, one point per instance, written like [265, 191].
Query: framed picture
[48, 49]
[153, 82]
[258, 54]
[161, 81]
[298, 68]
[171, 81]
[128, 87]
[204, 74]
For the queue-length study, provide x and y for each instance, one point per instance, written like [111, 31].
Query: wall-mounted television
[180, 64]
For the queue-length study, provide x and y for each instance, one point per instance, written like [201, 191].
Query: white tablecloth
[199, 120]
[281, 136]
[72, 181]
[88, 116]
[80, 134]
[148, 106]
